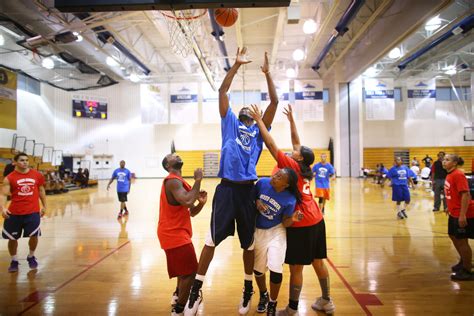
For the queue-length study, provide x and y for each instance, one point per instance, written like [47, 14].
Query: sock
[399, 207]
[31, 254]
[263, 293]
[324, 283]
[248, 282]
[273, 301]
[15, 258]
[197, 284]
[293, 304]
[178, 308]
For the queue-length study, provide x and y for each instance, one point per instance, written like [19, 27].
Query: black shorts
[233, 203]
[122, 196]
[458, 232]
[304, 244]
[16, 224]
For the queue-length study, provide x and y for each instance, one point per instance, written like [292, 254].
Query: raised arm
[241, 59]
[295, 138]
[267, 138]
[3, 198]
[272, 107]
[183, 197]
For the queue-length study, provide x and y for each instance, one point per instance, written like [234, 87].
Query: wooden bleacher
[374, 156]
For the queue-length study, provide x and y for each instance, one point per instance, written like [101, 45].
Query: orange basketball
[226, 16]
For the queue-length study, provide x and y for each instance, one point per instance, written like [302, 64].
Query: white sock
[248, 277]
[31, 254]
[200, 277]
[15, 258]
[399, 207]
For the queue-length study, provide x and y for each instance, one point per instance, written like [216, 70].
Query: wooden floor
[91, 264]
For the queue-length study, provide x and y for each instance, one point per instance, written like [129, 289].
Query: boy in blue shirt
[123, 176]
[276, 200]
[234, 199]
[400, 175]
[323, 171]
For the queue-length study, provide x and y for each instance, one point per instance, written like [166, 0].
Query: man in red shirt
[174, 227]
[23, 215]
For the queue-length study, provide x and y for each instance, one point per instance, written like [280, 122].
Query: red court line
[363, 299]
[38, 296]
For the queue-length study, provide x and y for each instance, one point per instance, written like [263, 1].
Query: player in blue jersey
[234, 199]
[400, 175]
[124, 177]
[323, 171]
[276, 200]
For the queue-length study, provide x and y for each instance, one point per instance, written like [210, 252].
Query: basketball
[226, 17]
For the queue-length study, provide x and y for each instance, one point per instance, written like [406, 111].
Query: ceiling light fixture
[291, 73]
[298, 54]
[309, 26]
[450, 70]
[112, 62]
[2, 40]
[79, 36]
[395, 53]
[433, 24]
[48, 63]
[371, 72]
[134, 77]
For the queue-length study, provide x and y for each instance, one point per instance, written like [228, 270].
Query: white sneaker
[322, 304]
[245, 302]
[174, 299]
[177, 314]
[288, 311]
[193, 303]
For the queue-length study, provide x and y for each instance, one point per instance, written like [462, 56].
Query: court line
[41, 296]
[364, 299]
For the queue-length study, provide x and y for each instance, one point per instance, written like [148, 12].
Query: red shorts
[323, 193]
[181, 261]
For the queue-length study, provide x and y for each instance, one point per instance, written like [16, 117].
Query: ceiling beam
[278, 34]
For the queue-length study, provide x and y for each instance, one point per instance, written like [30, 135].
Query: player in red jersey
[174, 227]
[23, 215]
[306, 240]
[461, 216]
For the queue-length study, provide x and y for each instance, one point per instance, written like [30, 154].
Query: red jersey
[454, 184]
[174, 222]
[24, 188]
[310, 209]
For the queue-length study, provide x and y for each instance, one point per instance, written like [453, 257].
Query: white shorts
[270, 249]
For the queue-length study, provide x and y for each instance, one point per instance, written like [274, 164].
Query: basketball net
[183, 25]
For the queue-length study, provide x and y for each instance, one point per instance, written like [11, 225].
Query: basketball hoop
[183, 25]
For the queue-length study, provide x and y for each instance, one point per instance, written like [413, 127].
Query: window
[28, 84]
[397, 94]
[449, 94]
[325, 95]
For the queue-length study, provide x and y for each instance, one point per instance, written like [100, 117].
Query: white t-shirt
[425, 173]
[415, 169]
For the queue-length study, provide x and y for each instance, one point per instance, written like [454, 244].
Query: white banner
[283, 92]
[421, 99]
[153, 102]
[184, 103]
[210, 104]
[379, 101]
[309, 101]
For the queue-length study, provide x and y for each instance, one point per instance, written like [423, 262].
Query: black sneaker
[262, 304]
[458, 266]
[271, 309]
[404, 214]
[245, 301]
[462, 275]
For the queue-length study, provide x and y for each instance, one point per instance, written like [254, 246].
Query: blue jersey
[383, 170]
[241, 149]
[123, 177]
[400, 175]
[279, 204]
[323, 173]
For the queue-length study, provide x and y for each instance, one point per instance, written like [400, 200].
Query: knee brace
[257, 274]
[276, 278]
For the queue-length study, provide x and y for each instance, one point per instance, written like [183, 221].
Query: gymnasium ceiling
[378, 27]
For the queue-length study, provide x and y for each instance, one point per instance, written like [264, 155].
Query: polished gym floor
[93, 264]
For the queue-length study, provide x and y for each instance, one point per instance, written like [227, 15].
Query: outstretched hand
[255, 112]
[265, 68]
[289, 113]
[241, 58]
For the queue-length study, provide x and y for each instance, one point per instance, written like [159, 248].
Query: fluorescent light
[79, 36]
[450, 70]
[47, 63]
[111, 61]
[433, 24]
[309, 26]
[291, 73]
[2, 40]
[395, 53]
[134, 77]
[298, 54]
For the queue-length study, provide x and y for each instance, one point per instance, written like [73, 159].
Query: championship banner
[379, 101]
[153, 103]
[309, 105]
[283, 92]
[7, 99]
[184, 103]
[210, 105]
[421, 99]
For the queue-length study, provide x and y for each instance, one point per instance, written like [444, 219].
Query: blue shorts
[400, 193]
[233, 203]
[16, 224]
